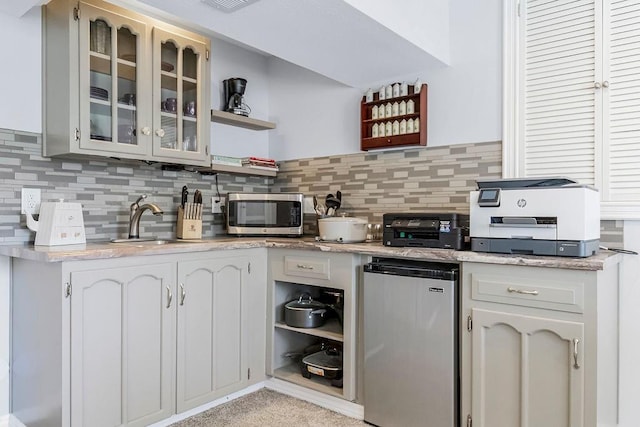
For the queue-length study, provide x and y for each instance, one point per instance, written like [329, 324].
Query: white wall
[227, 61]
[315, 116]
[20, 74]
[424, 23]
[464, 104]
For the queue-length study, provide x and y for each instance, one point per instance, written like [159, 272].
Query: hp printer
[537, 216]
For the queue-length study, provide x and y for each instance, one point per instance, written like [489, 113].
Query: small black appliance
[426, 230]
[234, 96]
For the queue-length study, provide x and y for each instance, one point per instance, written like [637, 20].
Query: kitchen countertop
[107, 250]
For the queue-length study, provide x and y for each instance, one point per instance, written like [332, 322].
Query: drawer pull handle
[304, 267]
[576, 365]
[522, 291]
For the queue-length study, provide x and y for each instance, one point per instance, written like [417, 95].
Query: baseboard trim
[191, 412]
[344, 407]
[332, 403]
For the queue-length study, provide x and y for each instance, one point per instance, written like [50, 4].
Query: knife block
[188, 228]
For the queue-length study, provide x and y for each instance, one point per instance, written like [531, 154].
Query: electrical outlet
[217, 204]
[30, 201]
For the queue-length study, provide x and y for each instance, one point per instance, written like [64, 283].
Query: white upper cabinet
[572, 83]
[119, 84]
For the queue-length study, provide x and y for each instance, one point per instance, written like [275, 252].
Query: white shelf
[292, 374]
[331, 330]
[240, 121]
[239, 170]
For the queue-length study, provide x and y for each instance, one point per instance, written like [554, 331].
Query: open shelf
[292, 374]
[240, 121]
[239, 170]
[330, 330]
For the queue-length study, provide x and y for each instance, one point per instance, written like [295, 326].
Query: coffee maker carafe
[234, 96]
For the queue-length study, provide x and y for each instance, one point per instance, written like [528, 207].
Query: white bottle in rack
[416, 125]
[374, 113]
[410, 106]
[374, 131]
[388, 110]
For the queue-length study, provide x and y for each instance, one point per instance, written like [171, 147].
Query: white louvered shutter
[559, 104]
[575, 96]
[622, 129]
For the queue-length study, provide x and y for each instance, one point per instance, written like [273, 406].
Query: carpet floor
[268, 408]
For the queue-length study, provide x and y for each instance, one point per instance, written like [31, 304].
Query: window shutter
[622, 159]
[559, 103]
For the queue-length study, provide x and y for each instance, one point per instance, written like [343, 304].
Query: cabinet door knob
[605, 83]
[597, 85]
[146, 130]
[160, 133]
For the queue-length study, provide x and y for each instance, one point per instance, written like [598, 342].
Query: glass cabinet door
[179, 113]
[111, 71]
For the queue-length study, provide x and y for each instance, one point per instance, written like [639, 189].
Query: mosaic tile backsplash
[105, 189]
[431, 179]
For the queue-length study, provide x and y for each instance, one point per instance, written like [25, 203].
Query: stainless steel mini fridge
[411, 367]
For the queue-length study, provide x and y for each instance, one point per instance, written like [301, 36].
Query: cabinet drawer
[548, 294]
[312, 267]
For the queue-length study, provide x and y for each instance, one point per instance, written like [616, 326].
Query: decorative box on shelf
[394, 121]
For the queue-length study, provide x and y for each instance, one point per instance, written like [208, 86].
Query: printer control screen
[489, 197]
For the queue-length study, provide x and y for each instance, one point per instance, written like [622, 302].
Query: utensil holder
[188, 228]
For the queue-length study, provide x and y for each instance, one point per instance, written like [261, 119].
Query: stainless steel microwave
[264, 214]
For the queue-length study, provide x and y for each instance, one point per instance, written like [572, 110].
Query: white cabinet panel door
[211, 355]
[526, 371]
[122, 345]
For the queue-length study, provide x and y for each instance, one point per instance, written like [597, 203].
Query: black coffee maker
[234, 96]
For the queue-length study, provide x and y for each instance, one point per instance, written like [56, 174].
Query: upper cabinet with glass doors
[140, 89]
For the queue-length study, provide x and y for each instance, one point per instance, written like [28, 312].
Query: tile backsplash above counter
[371, 183]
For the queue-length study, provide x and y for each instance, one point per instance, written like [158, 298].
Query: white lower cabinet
[528, 368]
[213, 340]
[134, 340]
[538, 346]
[294, 273]
[122, 345]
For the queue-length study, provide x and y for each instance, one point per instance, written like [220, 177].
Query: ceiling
[356, 43]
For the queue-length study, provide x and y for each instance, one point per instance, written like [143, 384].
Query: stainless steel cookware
[305, 312]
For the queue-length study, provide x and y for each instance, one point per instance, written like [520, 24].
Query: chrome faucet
[136, 212]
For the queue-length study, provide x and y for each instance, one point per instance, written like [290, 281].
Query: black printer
[426, 230]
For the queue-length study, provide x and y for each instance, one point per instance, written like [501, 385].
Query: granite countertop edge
[106, 250]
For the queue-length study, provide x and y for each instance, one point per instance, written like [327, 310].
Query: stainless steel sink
[150, 241]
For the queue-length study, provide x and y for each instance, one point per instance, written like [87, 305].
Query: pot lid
[346, 219]
[305, 302]
[325, 359]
